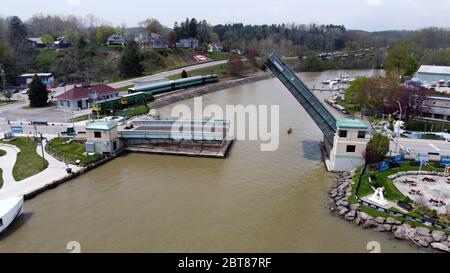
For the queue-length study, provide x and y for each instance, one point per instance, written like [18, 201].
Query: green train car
[123, 102]
[168, 86]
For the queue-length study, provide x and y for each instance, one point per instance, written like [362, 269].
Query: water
[251, 202]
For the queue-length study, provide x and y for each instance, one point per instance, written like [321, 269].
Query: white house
[215, 48]
[115, 39]
[434, 74]
[83, 97]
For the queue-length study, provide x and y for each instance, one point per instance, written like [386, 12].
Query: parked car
[25, 91]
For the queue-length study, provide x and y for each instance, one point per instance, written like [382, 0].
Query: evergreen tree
[17, 33]
[130, 62]
[38, 93]
[184, 74]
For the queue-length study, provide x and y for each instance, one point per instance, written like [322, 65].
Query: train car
[211, 78]
[111, 104]
[188, 82]
[135, 98]
[153, 88]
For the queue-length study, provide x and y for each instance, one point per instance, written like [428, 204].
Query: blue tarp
[383, 166]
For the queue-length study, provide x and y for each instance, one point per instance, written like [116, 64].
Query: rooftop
[101, 125]
[432, 69]
[85, 92]
[39, 75]
[351, 124]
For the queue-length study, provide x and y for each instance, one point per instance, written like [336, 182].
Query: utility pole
[42, 147]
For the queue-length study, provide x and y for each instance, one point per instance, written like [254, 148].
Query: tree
[184, 74]
[47, 39]
[7, 95]
[400, 61]
[17, 33]
[235, 65]
[377, 148]
[172, 39]
[312, 62]
[130, 62]
[152, 25]
[103, 33]
[354, 95]
[38, 93]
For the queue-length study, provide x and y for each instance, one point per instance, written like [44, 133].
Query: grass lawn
[218, 56]
[70, 152]
[125, 88]
[133, 111]
[427, 126]
[2, 153]
[28, 161]
[391, 192]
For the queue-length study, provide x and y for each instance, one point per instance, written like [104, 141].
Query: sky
[371, 15]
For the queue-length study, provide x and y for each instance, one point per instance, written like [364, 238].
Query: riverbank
[340, 205]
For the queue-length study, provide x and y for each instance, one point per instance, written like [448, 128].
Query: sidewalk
[56, 170]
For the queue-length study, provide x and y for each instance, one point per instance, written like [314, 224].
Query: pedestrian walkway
[56, 170]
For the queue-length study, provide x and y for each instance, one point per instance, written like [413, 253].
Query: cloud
[73, 2]
[374, 2]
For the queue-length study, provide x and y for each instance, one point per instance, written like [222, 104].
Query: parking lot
[421, 146]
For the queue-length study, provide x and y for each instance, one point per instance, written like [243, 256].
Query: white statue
[378, 198]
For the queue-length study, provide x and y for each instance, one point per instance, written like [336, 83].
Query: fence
[395, 213]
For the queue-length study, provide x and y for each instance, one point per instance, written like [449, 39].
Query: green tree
[38, 95]
[377, 149]
[103, 33]
[312, 62]
[47, 39]
[400, 61]
[130, 62]
[354, 93]
[184, 74]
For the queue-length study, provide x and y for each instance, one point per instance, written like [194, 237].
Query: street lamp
[95, 100]
[399, 124]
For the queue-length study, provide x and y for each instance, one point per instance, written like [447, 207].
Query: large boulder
[343, 211]
[441, 247]
[364, 216]
[370, 224]
[422, 231]
[423, 241]
[392, 221]
[355, 207]
[438, 236]
[380, 220]
[402, 232]
[350, 216]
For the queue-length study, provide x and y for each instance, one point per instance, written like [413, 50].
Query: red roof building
[83, 97]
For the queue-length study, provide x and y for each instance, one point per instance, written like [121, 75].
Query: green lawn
[70, 152]
[125, 88]
[2, 153]
[427, 126]
[133, 111]
[28, 161]
[391, 192]
[217, 56]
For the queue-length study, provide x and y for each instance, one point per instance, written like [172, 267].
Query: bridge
[320, 115]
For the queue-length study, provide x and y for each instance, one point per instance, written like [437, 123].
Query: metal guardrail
[395, 213]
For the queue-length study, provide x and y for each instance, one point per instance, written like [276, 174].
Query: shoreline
[421, 237]
[163, 101]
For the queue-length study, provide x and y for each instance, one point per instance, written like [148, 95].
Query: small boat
[326, 82]
[334, 82]
[345, 76]
[337, 80]
[10, 210]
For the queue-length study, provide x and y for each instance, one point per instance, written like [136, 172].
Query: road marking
[434, 147]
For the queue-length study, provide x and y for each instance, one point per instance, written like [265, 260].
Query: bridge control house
[350, 144]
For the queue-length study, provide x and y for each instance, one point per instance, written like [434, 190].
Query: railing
[395, 213]
[320, 115]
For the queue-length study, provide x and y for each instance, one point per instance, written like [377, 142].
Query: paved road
[166, 74]
[423, 146]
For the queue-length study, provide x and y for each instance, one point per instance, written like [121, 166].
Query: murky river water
[251, 202]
